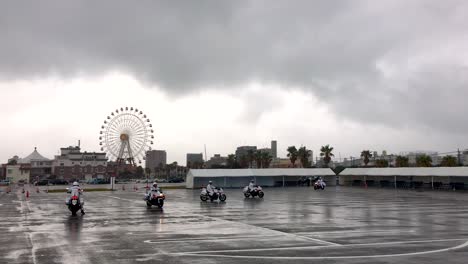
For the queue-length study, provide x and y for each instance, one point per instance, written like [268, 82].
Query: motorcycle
[74, 203]
[218, 193]
[318, 185]
[155, 198]
[256, 191]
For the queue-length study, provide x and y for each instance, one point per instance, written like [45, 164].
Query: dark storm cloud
[333, 49]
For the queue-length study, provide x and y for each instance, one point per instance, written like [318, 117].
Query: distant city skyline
[353, 74]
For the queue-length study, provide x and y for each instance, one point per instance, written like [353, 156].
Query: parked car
[41, 182]
[4, 183]
[58, 182]
[176, 180]
[98, 181]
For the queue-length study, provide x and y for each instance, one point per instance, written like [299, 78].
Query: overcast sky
[378, 75]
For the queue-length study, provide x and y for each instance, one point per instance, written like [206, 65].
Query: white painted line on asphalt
[279, 232]
[118, 198]
[33, 248]
[206, 239]
[327, 246]
[355, 231]
[329, 257]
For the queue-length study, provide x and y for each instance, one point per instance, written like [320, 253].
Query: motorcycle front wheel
[222, 197]
[261, 194]
[160, 203]
[247, 195]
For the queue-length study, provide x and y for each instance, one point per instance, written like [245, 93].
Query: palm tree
[292, 154]
[243, 161]
[266, 159]
[424, 161]
[449, 161]
[258, 158]
[401, 161]
[148, 172]
[250, 157]
[365, 154]
[231, 161]
[304, 154]
[326, 153]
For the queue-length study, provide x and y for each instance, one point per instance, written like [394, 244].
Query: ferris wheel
[126, 135]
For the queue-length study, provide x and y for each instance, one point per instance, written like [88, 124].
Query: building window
[61, 164]
[62, 171]
[9, 171]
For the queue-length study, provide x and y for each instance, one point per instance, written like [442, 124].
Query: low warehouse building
[418, 177]
[235, 178]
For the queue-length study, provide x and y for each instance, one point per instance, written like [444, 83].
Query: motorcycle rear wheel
[203, 198]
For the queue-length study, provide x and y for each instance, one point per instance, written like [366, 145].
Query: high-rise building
[194, 158]
[244, 150]
[216, 161]
[274, 149]
[155, 159]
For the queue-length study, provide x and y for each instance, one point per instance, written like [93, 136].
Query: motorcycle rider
[251, 186]
[320, 182]
[76, 190]
[210, 188]
[154, 188]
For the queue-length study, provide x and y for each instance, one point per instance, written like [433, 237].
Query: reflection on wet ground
[345, 225]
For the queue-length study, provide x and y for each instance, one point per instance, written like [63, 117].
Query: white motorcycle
[256, 191]
[74, 202]
[218, 193]
[156, 198]
[319, 185]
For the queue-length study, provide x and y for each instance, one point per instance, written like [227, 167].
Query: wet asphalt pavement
[290, 225]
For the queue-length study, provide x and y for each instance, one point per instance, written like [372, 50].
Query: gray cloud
[401, 63]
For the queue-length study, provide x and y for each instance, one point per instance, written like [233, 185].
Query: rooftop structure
[266, 177]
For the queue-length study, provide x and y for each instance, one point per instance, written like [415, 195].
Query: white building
[73, 164]
[235, 178]
[17, 173]
[432, 177]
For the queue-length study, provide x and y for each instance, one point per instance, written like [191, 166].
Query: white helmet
[210, 182]
[76, 183]
[155, 184]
